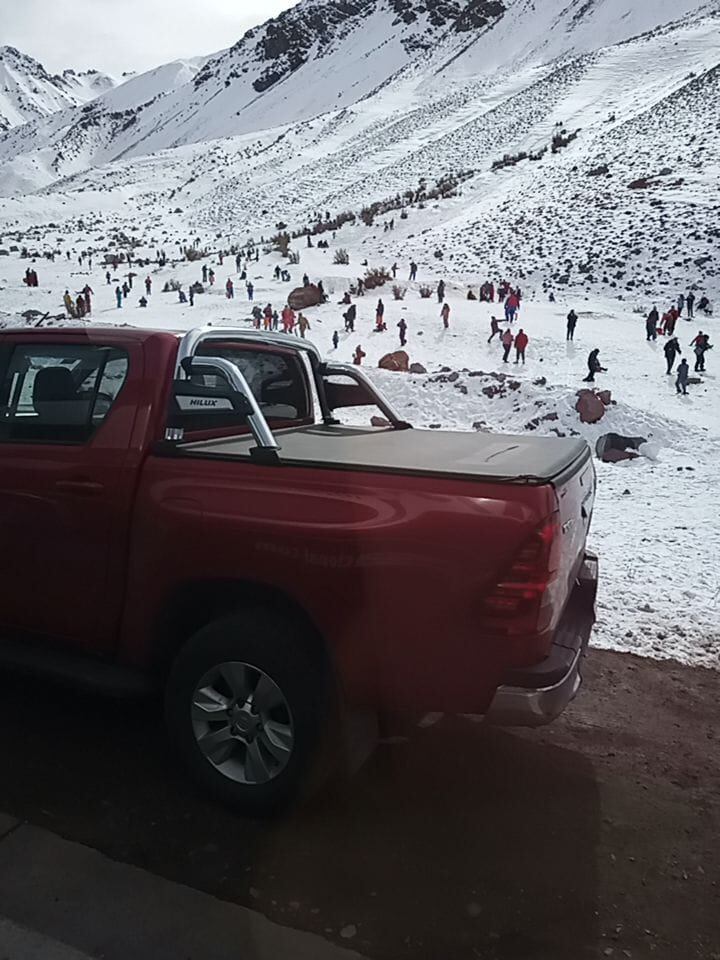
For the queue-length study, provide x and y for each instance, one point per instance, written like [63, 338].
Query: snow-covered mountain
[29, 92]
[568, 142]
[319, 56]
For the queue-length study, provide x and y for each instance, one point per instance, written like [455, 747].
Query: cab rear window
[277, 380]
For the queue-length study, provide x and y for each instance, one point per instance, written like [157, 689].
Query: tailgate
[575, 492]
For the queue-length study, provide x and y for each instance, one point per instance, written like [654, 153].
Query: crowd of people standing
[658, 324]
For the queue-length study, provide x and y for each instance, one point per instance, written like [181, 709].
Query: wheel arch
[194, 604]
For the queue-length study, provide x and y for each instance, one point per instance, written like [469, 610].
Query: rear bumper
[537, 695]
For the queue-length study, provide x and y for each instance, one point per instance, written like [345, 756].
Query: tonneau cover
[494, 457]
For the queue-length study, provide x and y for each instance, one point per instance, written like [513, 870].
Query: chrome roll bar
[379, 398]
[189, 362]
[258, 424]
[193, 339]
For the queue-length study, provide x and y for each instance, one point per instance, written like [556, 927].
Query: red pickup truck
[186, 513]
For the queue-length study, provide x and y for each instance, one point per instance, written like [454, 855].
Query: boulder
[613, 447]
[398, 362]
[615, 456]
[589, 406]
[605, 397]
[303, 297]
[491, 391]
[417, 368]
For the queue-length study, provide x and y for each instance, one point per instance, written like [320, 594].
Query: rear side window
[59, 393]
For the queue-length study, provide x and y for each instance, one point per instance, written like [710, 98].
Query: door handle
[82, 488]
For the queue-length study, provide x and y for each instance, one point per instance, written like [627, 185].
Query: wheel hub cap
[245, 724]
[242, 723]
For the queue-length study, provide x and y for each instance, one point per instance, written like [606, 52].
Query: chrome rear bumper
[538, 695]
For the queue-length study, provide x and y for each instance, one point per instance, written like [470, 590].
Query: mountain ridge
[28, 91]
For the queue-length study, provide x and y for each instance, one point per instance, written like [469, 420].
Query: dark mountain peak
[16, 58]
[461, 15]
[308, 31]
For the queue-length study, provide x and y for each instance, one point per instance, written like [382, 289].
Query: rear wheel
[245, 706]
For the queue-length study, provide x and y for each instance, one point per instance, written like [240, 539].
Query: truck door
[66, 421]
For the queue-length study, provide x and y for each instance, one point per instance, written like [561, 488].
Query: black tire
[270, 643]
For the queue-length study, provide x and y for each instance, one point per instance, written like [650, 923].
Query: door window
[59, 393]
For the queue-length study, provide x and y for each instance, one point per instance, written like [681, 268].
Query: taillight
[526, 583]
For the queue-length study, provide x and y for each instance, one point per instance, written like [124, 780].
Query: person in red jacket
[507, 342]
[288, 318]
[521, 342]
[702, 344]
[358, 356]
[445, 314]
[512, 305]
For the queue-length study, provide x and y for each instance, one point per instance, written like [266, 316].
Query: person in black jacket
[683, 372]
[572, 320]
[594, 366]
[651, 324]
[349, 318]
[672, 349]
[402, 327]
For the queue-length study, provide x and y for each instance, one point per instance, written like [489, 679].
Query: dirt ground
[596, 837]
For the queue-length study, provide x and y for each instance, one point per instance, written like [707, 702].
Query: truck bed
[475, 456]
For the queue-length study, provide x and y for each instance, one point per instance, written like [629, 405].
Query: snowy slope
[324, 55]
[29, 92]
[75, 138]
[565, 219]
[318, 56]
[568, 219]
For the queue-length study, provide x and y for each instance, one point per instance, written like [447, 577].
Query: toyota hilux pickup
[187, 513]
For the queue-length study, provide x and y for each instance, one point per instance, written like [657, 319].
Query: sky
[121, 35]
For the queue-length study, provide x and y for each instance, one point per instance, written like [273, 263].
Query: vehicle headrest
[54, 384]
